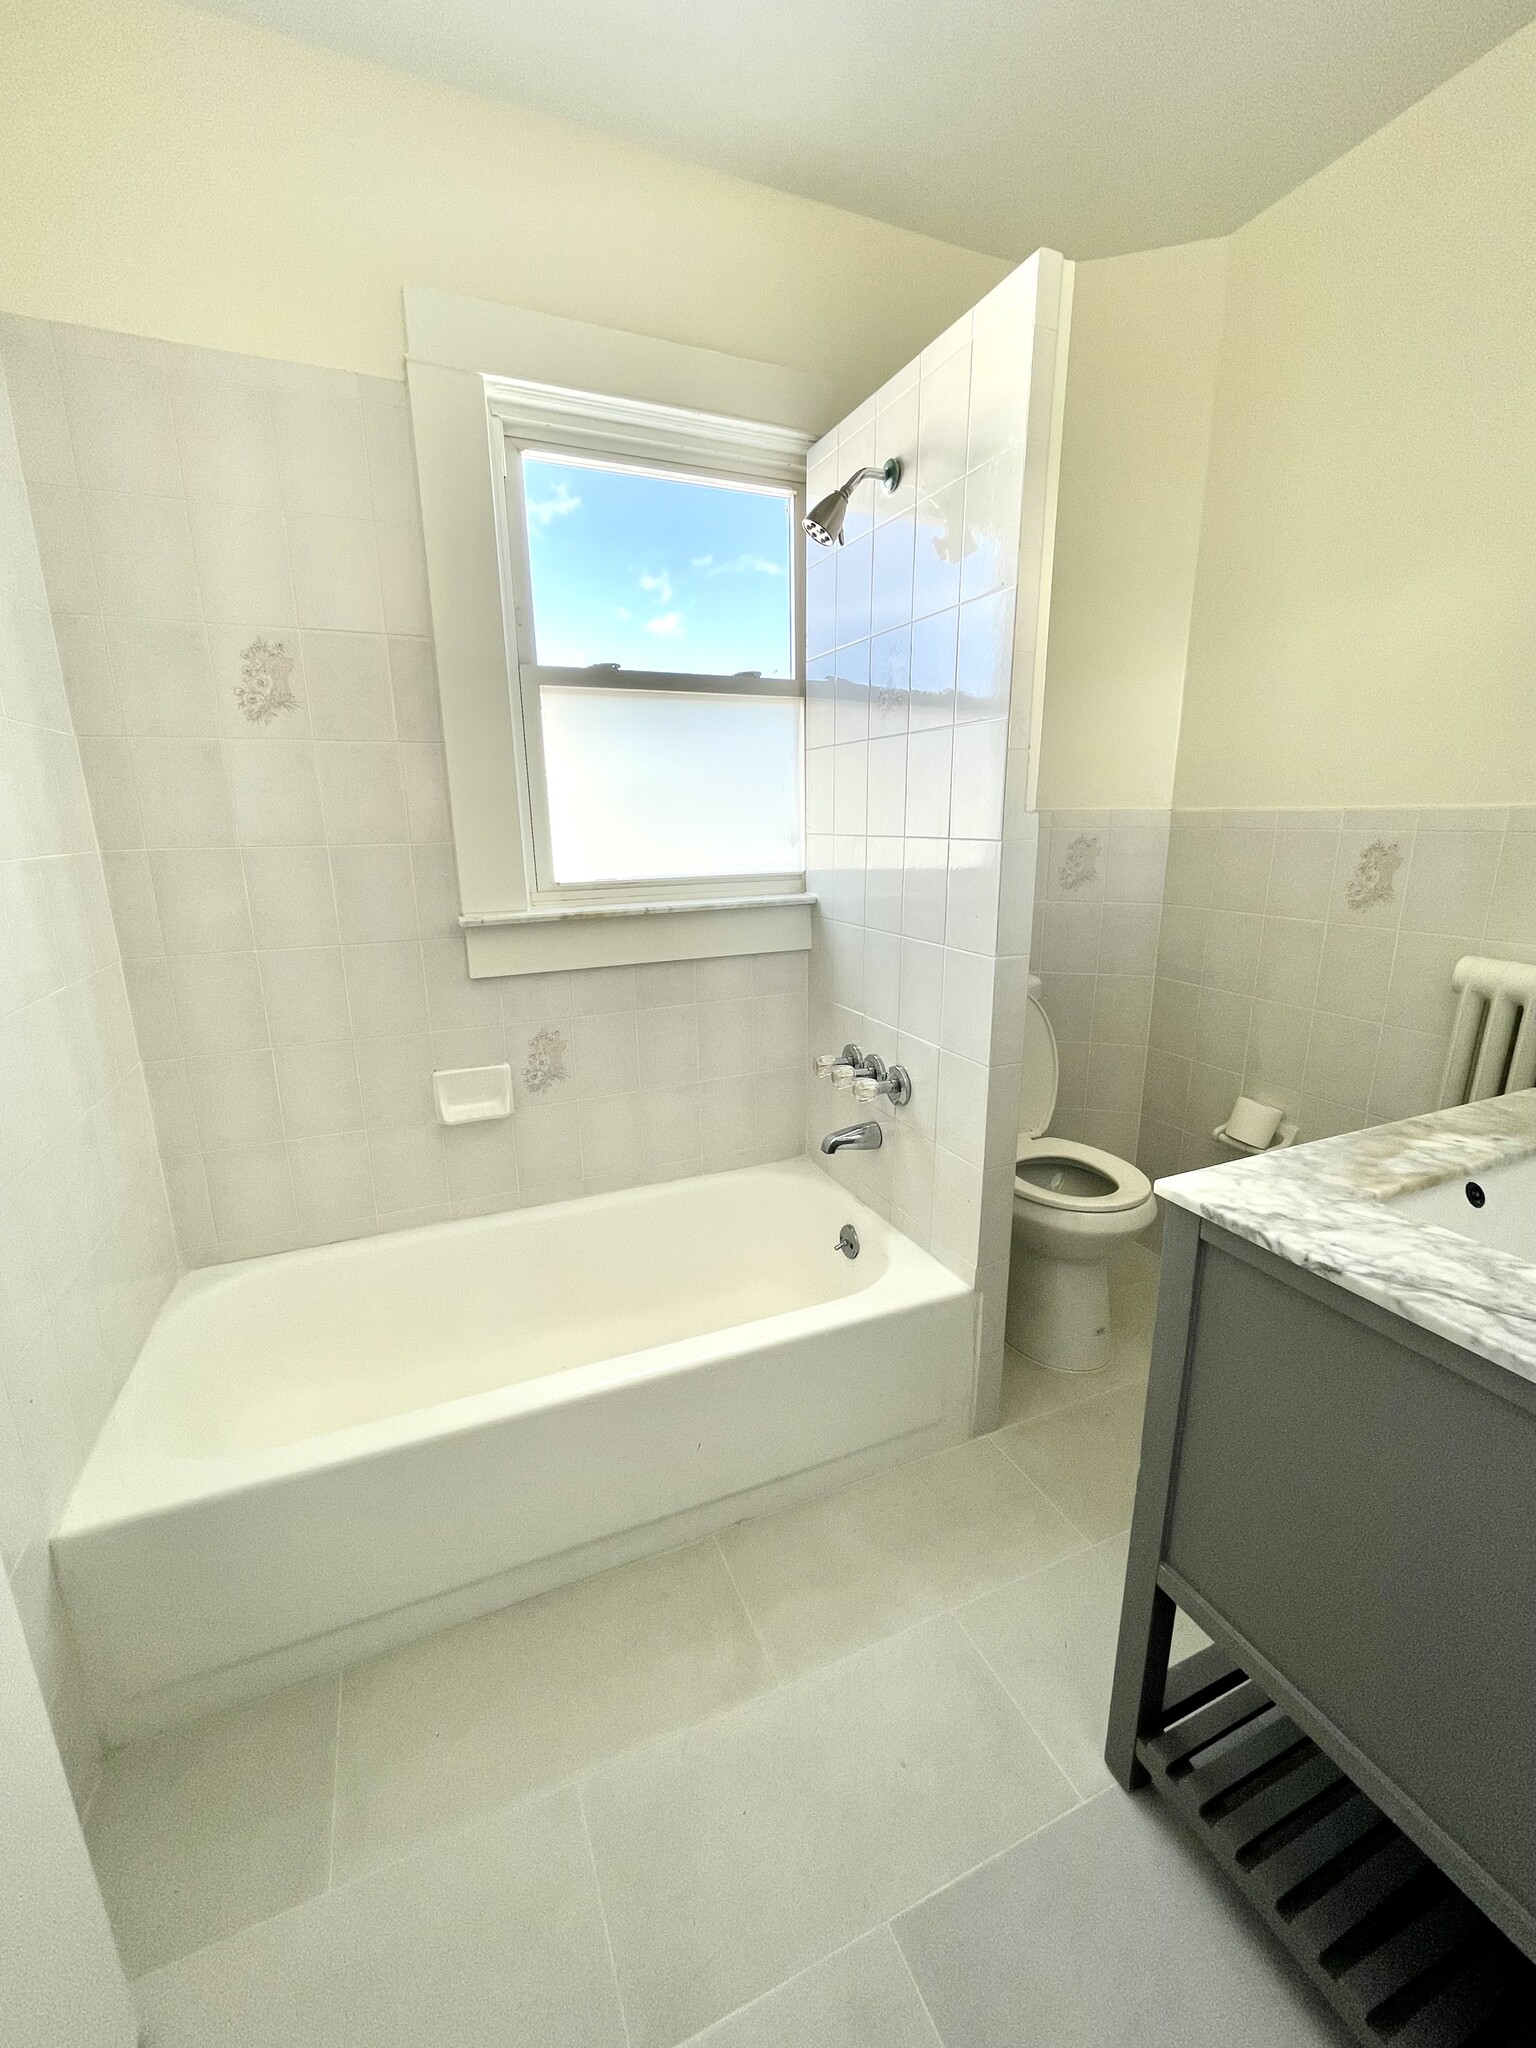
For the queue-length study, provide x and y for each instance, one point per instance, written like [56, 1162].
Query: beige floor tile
[495, 1940]
[735, 1855]
[1050, 1639]
[1084, 1458]
[862, 1997]
[441, 1732]
[841, 1572]
[212, 1827]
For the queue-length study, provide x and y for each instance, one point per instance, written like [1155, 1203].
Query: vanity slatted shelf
[1398, 1950]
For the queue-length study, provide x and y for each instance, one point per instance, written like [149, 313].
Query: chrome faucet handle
[895, 1083]
[840, 1067]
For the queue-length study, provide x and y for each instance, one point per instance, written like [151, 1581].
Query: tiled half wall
[234, 563]
[1303, 957]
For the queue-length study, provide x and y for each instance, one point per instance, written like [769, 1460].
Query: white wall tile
[242, 560]
[336, 573]
[932, 680]
[290, 895]
[141, 549]
[938, 542]
[163, 678]
[363, 793]
[201, 901]
[943, 417]
[184, 793]
[276, 792]
[975, 869]
[218, 1001]
[305, 992]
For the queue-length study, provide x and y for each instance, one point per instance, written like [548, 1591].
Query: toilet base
[1058, 1311]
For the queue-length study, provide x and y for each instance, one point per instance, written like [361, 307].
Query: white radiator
[1493, 1041]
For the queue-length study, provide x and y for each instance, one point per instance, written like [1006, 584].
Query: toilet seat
[1128, 1186]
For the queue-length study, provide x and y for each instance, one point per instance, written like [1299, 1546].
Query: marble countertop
[1327, 1208]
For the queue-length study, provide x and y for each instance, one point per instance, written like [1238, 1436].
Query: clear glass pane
[646, 787]
[657, 572]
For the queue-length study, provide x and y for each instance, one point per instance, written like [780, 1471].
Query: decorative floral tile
[1374, 880]
[1081, 863]
[265, 688]
[545, 1064]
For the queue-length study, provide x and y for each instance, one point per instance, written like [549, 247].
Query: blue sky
[656, 572]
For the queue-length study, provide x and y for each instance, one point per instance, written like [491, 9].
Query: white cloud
[659, 585]
[669, 626]
[744, 565]
[622, 611]
[562, 500]
[702, 561]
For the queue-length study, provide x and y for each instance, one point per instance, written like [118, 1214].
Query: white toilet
[1072, 1205]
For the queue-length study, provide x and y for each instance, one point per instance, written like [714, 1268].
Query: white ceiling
[1095, 126]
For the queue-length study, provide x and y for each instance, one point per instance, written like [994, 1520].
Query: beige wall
[1364, 629]
[172, 173]
[1140, 384]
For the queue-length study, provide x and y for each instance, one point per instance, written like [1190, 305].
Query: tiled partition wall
[233, 556]
[1305, 958]
[86, 1252]
[1098, 906]
[916, 694]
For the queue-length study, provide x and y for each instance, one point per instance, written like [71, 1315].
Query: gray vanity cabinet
[1347, 1505]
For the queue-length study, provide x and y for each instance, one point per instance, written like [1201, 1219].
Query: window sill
[631, 934]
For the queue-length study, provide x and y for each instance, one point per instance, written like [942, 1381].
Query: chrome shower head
[824, 522]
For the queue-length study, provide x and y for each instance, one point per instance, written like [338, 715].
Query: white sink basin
[1496, 1207]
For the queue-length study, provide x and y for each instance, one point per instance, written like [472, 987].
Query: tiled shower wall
[233, 558]
[1305, 958]
[86, 1252]
[916, 694]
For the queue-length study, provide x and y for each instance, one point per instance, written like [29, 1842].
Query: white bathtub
[326, 1451]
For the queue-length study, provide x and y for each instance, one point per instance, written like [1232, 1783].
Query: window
[651, 568]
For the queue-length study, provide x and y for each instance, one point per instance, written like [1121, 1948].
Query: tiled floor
[831, 1781]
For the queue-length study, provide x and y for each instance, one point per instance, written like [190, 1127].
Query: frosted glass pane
[657, 572]
[645, 787]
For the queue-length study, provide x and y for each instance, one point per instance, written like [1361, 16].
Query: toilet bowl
[1072, 1205]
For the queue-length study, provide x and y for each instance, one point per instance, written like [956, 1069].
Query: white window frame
[604, 392]
[666, 441]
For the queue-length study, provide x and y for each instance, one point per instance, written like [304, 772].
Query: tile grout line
[1078, 1795]
[330, 1862]
[602, 1911]
[997, 1855]
[1039, 1487]
[795, 1976]
[741, 1598]
[890, 1928]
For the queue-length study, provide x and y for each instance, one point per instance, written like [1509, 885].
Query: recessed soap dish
[473, 1095]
